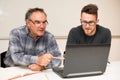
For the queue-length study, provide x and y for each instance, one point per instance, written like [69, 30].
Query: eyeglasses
[38, 23]
[91, 23]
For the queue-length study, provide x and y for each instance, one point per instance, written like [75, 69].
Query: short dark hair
[90, 9]
[31, 10]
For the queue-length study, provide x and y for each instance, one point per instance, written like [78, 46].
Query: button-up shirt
[24, 50]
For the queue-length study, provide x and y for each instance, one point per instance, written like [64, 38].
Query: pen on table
[58, 58]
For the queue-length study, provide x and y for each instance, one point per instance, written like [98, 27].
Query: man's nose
[87, 25]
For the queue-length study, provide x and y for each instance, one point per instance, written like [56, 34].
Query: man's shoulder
[48, 34]
[21, 29]
[103, 30]
[78, 28]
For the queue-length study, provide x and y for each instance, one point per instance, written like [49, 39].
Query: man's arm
[72, 36]
[108, 36]
[36, 67]
[17, 51]
[53, 49]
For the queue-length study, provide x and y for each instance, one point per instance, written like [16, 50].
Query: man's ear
[97, 21]
[80, 20]
[27, 22]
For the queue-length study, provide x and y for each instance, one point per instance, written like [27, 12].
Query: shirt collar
[27, 32]
[26, 29]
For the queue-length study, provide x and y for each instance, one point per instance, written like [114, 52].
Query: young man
[89, 31]
[31, 45]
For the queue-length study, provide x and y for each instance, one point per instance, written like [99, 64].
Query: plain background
[62, 16]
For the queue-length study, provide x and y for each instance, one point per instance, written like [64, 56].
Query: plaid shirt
[24, 50]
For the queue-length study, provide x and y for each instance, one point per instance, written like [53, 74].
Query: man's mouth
[41, 30]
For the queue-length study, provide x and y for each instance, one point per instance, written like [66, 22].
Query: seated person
[89, 31]
[31, 45]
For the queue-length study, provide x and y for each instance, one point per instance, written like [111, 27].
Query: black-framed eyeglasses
[37, 23]
[91, 23]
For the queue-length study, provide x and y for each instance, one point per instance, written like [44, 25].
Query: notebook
[84, 60]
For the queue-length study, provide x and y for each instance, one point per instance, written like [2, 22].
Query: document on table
[22, 73]
[10, 72]
[38, 76]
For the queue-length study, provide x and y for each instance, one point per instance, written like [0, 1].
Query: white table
[112, 73]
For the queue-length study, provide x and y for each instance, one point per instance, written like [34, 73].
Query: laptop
[84, 60]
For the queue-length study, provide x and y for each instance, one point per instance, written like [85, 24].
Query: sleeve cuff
[33, 59]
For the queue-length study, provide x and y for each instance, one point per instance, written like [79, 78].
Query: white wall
[62, 16]
[115, 49]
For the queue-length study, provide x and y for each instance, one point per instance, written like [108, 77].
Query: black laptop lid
[86, 59]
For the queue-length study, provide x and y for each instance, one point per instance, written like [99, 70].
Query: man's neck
[33, 36]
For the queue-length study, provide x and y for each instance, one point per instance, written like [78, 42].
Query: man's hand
[44, 59]
[35, 67]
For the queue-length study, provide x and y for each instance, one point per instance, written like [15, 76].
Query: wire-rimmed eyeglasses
[37, 23]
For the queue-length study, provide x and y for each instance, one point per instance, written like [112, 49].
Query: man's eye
[45, 22]
[91, 22]
[37, 22]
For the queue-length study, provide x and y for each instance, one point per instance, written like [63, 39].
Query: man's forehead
[38, 16]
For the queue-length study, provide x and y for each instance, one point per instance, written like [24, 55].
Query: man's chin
[88, 33]
[41, 34]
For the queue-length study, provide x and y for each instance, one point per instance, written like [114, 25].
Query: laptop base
[59, 72]
[84, 60]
